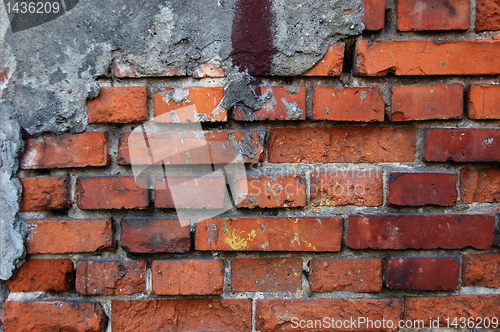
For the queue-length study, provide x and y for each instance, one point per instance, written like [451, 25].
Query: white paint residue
[487, 142]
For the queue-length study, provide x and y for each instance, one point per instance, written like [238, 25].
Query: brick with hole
[348, 104]
[480, 185]
[374, 14]
[43, 275]
[110, 277]
[119, 105]
[420, 231]
[427, 102]
[279, 103]
[261, 233]
[36, 315]
[422, 274]
[45, 193]
[188, 277]
[331, 63]
[420, 189]
[484, 101]
[418, 15]
[98, 193]
[217, 315]
[66, 151]
[339, 188]
[481, 270]
[266, 275]
[487, 15]
[155, 236]
[348, 275]
[185, 105]
[66, 236]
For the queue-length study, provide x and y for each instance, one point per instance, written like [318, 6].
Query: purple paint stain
[252, 36]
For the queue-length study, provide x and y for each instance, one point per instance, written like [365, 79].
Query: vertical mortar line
[306, 287]
[254, 312]
[149, 277]
[385, 186]
[307, 175]
[460, 264]
[473, 13]
[309, 99]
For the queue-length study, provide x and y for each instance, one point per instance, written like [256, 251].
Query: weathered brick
[432, 15]
[182, 315]
[374, 14]
[481, 186]
[280, 103]
[269, 191]
[112, 193]
[119, 105]
[53, 316]
[331, 63]
[361, 188]
[154, 235]
[204, 192]
[66, 151]
[341, 145]
[426, 57]
[348, 275]
[266, 275]
[269, 234]
[451, 307]
[429, 274]
[191, 147]
[487, 15]
[348, 104]
[481, 270]
[461, 145]
[43, 275]
[189, 105]
[45, 193]
[110, 278]
[207, 70]
[420, 231]
[427, 102]
[61, 236]
[484, 102]
[419, 189]
[292, 315]
[188, 277]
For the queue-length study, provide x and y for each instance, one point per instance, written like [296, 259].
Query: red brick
[188, 277]
[45, 193]
[269, 191]
[154, 235]
[204, 192]
[432, 15]
[420, 231]
[280, 103]
[484, 102]
[61, 236]
[189, 105]
[207, 70]
[426, 57]
[347, 275]
[451, 307]
[119, 105]
[266, 275]
[461, 145]
[66, 151]
[125, 69]
[53, 316]
[341, 145]
[43, 275]
[482, 186]
[287, 315]
[419, 189]
[191, 147]
[269, 234]
[425, 274]
[487, 15]
[481, 270]
[363, 188]
[348, 104]
[182, 315]
[374, 14]
[110, 278]
[112, 193]
[331, 63]
[427, 102]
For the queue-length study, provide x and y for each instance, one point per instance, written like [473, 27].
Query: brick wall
[371, 191]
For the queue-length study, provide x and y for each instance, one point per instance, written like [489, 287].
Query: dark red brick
[421, 231]
[480, 185]
[374, 14]
[487, 15]
[484, 102]
[331, 63]
[417, 15]
[45, 193]
[119, 105]
[481, 270]
[43, 275]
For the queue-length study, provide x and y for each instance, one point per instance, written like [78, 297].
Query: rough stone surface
[484, 101]
[45, 193]
[432, 15]
[487, 15]
[42, 275]
[481, 270]
[119, 105]
[480, 185]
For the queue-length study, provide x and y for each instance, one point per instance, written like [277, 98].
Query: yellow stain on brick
[236, 242]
